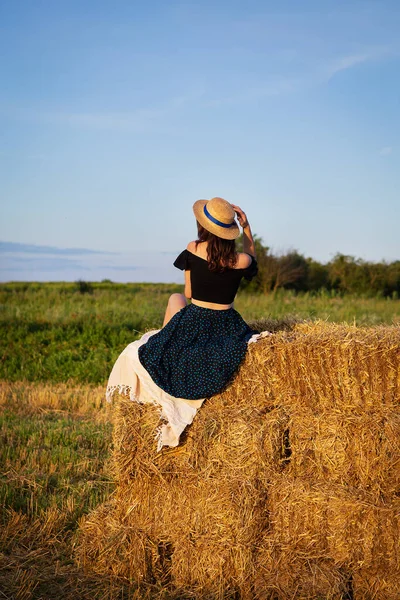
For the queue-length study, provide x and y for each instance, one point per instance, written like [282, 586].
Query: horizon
[32, 263]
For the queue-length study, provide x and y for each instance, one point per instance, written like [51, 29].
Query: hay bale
[278, 577]
[350, 526]
[373, 583]
[350, 447]
[285, 485]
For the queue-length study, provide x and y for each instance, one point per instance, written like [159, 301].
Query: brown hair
[221, 253]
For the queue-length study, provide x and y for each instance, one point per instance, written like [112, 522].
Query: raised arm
[248, 242]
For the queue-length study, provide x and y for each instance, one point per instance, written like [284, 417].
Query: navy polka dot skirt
[197, 353]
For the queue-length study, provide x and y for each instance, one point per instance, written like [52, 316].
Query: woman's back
[243, 260]
[214, 289]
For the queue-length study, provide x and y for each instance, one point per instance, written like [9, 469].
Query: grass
[55, 467]
[55, 441]
[53, 332]
[54, 464]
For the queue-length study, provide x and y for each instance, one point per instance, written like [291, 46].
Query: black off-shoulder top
[210, 286]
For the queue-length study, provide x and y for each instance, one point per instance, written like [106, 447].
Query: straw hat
[218, 217]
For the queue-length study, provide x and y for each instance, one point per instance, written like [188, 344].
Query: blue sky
[116, 116]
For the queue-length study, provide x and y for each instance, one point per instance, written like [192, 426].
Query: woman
[201, 345]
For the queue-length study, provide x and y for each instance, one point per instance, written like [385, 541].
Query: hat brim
[223, 232]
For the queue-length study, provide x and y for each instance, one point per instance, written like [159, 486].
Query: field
[54, 332]
[58, 344]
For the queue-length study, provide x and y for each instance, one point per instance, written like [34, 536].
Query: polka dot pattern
[197, 353]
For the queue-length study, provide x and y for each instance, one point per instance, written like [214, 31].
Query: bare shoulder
[244, 260]
[199, 249]
[191, 247]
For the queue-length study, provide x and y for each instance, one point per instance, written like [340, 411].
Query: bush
[84, 287]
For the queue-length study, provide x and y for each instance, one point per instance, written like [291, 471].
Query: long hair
[221, 254]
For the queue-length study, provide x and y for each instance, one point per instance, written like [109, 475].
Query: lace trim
[123, 390]
[258, 336]
[126, 390]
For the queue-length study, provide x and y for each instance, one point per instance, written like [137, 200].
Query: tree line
[343, 274]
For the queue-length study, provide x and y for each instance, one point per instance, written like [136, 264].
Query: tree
[348, 274]
[291, 271]
[286, 270]
[317, 276]
[344, 273]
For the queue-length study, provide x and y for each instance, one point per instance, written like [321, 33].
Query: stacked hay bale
[285, 486]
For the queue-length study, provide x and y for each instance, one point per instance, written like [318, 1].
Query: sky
[115, 117]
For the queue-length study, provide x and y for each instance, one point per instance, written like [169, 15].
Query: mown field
[57, 346]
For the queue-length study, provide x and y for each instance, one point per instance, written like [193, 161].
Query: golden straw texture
[286, 485]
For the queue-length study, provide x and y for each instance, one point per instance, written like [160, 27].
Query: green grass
[52, 332]
[333, 307]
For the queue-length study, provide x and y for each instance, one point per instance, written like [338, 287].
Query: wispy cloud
[42, 263]
[13, 247]
[350, 61]
[386, 150]
[139, 120]
[344, 63]
[26, 262]
[268, 90]
[136, 121]
[315, 72]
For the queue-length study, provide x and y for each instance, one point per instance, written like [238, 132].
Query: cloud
[350, 61]
[386, 150]
[93, 266]
[268, 90]
[138, 120]
[344, 63]
[18, 264]
[58, 263]
[15, 247]
[316, 72]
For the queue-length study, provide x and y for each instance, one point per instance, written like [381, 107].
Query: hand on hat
[241, 217]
